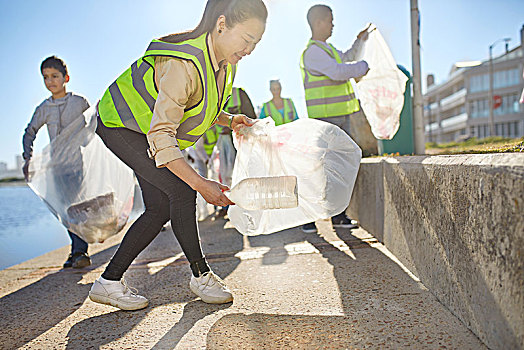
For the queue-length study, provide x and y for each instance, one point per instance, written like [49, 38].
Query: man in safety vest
[282, 110]
[326, 77]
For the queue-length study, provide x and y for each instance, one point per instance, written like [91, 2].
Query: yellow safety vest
[129, 101]
[234, 104]
[210, 139]
[289, 112]
[325, 97]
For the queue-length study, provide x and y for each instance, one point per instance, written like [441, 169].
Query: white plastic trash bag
[82, 182]
[322, 156]
[381, 90]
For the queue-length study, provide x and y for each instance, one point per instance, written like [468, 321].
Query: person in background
[178, 90]
[239, 103]
[204, 148]
[326, 77]
[57, 112]
[282, 110]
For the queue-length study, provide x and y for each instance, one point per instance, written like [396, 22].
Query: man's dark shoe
[342, 221]
[69, 261]
[309, 228]
[221, 213]
[80, 260]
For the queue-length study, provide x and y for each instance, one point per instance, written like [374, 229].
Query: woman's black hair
[235, 11]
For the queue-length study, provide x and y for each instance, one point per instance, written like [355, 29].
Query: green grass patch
[11, 179]
[494, 144]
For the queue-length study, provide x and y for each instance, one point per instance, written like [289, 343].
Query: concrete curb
[456, 222]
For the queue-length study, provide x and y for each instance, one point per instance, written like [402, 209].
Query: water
[27, 228]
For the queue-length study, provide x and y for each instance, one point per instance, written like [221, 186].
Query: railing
[457, 97]
[453, 121]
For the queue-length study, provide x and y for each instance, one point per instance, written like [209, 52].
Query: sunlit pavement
[328, 290]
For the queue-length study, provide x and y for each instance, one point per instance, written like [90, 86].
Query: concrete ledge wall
[457, 222]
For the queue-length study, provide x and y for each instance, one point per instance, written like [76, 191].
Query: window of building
[513, 129]
[479, 108]
[505, 78]
[481, 134]
[478, 83]
[510, 105]
[516, 105]
[501, 79]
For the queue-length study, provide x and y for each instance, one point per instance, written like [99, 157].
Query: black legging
[165, 197]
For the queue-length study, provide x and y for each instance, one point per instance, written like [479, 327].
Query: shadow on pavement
[164, 285]
[269, 331]
[38, 307]
[383, 307]
[193, 312]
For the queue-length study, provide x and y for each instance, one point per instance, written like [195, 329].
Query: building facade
[458, 108]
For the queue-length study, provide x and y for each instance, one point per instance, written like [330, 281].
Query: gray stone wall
[457, 222]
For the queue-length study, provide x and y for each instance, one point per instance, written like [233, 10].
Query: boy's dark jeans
[78, 245]
[165, 197]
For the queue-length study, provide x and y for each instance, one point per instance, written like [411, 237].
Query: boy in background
[57, 112]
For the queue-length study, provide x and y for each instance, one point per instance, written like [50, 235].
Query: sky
[99, 39]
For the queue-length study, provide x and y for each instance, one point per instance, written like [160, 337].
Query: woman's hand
[212, 192]
[240, 119]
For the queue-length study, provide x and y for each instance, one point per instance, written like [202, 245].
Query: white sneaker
[117, 294]
[210, 288]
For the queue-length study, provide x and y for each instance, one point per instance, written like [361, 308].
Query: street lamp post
[490, 95]
[418, 114]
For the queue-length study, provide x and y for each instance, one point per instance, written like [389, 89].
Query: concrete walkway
[331, 290]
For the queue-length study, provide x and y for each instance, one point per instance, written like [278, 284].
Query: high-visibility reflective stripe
[320, 83]
[130, 101]
[190, 50]
[325, 97]
[235, 99]
[287, 115]
[291, 111]
[194, 121]
[122, 108]
[329, 100]
[233, 103]
[137, 75]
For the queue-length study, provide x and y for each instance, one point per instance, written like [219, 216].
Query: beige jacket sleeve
[177, 82]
